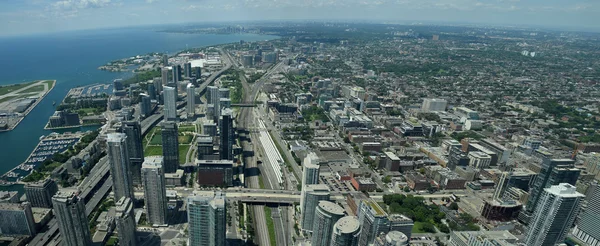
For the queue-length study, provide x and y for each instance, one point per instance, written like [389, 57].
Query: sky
[19, 17]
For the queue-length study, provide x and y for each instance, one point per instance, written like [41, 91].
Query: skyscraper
[120, 165]
[346, 231]
[191, 100]
[374, 220]
[310, 169]
[170, 146]
[145, 106]
[135, 149]
[556, 210]
[39, 194]
[226, 135]
[176, 74]
[224, 103]
[165, 60]
[73, 225]
[586, 229]
[207, 219]
[326, 215]
[170, 101]
[157, 82]
[125, 220]
[151, 90]
[198, 72]
[17, 219]
[165, 76]
[224, 93]
[553, 172]
[153, 178]
[214, 99]
[311, 195]
[187, 69]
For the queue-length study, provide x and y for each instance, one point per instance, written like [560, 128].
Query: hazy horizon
[44, 16]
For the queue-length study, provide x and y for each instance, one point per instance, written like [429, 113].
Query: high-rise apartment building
[553, 172]
[553, 216]
[125, 220]
[135, 149]
[17, 219]
[120, 165]
[39, 194]
[326, 215]
[158, 87]
[310, 169]
[374, 220]
[213, 98]
[153, 179]
[170, 146]
[587, 227]
[176, 71]
[226, 135]
[191, 101]
[170, 103]
[187, 69]
[311, 195]
[346, 231]
[165, 76]
[73, 226]
[401, 223]
[207, 219]
[145, 104]
[165, 60]
[224, 93]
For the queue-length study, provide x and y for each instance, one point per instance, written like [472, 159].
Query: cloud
[80, 4]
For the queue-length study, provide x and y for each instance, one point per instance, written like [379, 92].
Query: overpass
[243, 105]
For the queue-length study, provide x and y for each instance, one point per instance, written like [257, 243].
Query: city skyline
[38, 16]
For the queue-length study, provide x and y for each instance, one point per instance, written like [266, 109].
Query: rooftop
[348, 224]
[331, 207]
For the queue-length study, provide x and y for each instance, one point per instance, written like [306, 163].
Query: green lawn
[270, 226]
[7, 98]
[183, 150]
[187, 128]
[185, 139]
[11, 88]
[153, 150]
[418, 227]
[50, 83]
[156, 139]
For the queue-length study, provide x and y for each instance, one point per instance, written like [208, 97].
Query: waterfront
[72, 58]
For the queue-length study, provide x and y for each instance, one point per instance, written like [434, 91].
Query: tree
[453, 206]
[386, 179]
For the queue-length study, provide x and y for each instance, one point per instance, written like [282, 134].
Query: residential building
[207, 219]
[153, 178]
[555, 213]
[479, 160]
[326, 215]
[73, 226]
[125, 220]
[170, 146]
[311, 195]
[191, 101]
[165, 76]
[433, 105]
[17, 219]
[374, 220]
[145, 104]
[401, 223]
[346, 231]
[226, 135]
[133, 131]
[310, 169]
[482, 238]
[120, 167]
[40, 193]
[392, 238]
[170, 103]
[586, 228]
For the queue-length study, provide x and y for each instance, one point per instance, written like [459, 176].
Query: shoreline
[26, 113]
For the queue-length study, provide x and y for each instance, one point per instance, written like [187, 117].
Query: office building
[311, 195]
[556, 210]
[17, 219]
[479, 160]
[226, 135]
[586, 228]
[553, 172]
[40, 193]
[153, 178]
[433, 105]
[401, 223]
[170, 101]
[215, 173]
[310, 169]
[170, 146]
[326, 215]
[120, 166]
[125, 220]
[374, 220]
[346, 231]
[392, 238]
[176, 73]
[135, 149]
[165, 77]
[207, 219]
[73, 226]
[187, 69]
[145, 104]
[191, 101]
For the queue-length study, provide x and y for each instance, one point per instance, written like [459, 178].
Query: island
[17, 100]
